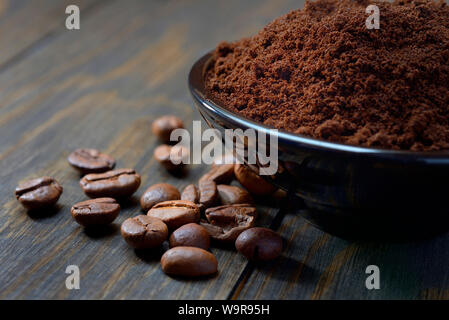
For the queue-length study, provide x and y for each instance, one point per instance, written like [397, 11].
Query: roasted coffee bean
[158, 193]
[172, 158]
[259, 244]
[208, 193]
[189, 262]
[144, 232]
[201, 207]
[175, 213]
[190, 235]
[90, 161]
[225, 223]
[280, 195]
[119, 183]
[227, 213]
[38, 193]
[164, 126]
[252, 182]
[191, 194]
[100, 211]
[220, 173]
[233, 195]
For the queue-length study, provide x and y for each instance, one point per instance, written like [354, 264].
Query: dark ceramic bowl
[348, 190]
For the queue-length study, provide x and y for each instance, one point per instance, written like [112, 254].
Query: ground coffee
[320, 72]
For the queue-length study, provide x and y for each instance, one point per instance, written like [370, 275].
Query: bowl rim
[198, 90]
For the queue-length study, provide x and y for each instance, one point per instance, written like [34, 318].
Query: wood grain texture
[101, 87]
[24, 24]
[316, 265]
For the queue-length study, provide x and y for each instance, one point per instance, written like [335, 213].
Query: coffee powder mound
[320, 72]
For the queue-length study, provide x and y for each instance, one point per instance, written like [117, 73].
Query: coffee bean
[225, 223]
[158, 193]
[90, 161]
[220, 173]
[259, 244]
[144, 232]
[38, 193]
[252, 182]
[228, 213]
[190, 235]
[172, 158]
[233, 195]
[100, 211]
[191, 194]
[208, 193]
[119, 183]
[163, 127]
[189, 262]
[175, 213]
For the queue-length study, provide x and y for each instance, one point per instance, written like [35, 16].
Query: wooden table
[101, 87]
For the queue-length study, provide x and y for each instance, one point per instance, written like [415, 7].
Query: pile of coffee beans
[213, 211]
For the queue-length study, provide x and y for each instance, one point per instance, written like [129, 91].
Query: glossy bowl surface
[348, 190]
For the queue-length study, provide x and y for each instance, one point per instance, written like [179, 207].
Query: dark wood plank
[24, 23]
[102, 86]
[316, 265]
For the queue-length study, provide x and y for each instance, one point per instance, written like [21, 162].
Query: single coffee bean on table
[90, 161]
[191, 193]
[94, 212]
[38, 193]
[144, 232]
[172, 158]
[225, 223]
[190, 235]
[259, 244]
[158, 193]
[219, 173]
[252, 181]
[208, 193]
[163, 127]
[119, 183]
[189, 262]
[233, 195]
[175, 213]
